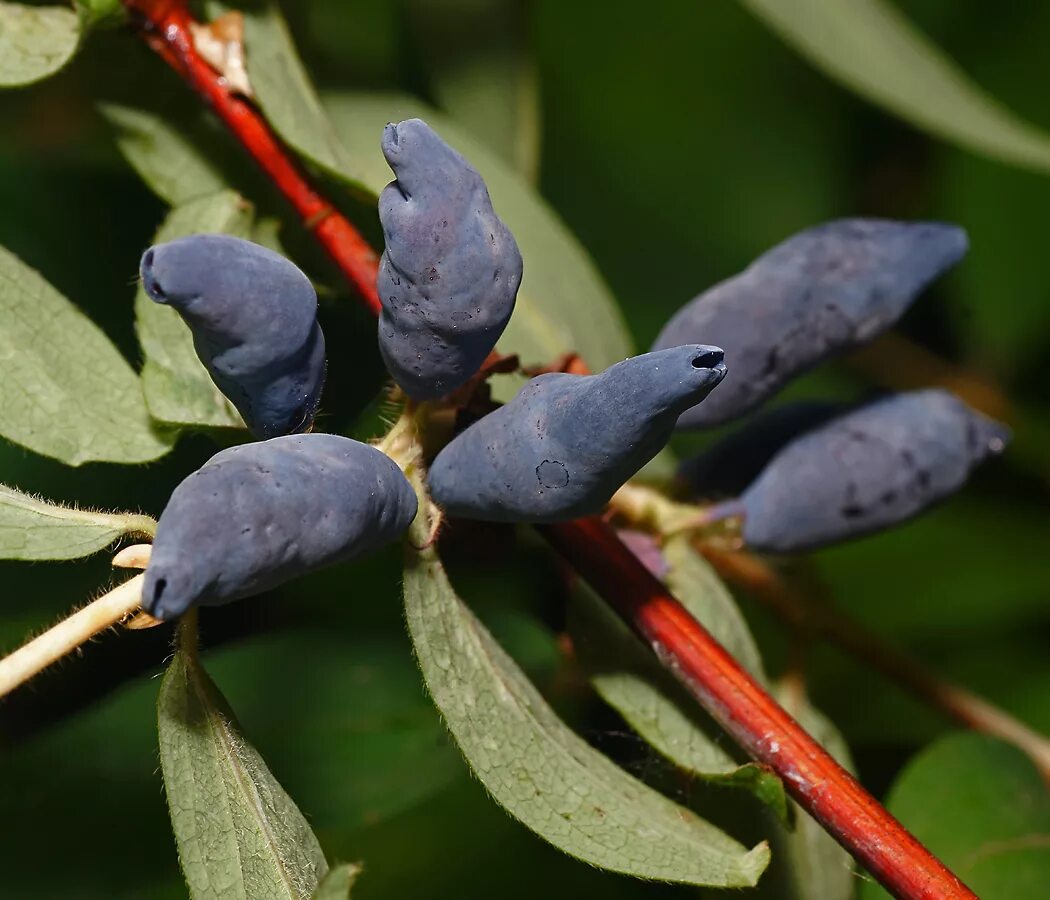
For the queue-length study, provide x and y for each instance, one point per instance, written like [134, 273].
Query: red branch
[728, 693]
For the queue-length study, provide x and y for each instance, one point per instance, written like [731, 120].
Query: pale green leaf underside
[563, 305]
[337, 883]
[874, 50]
[285, 94]
[35, 41]
[33, 529]
[65, 390]
[240, 836]
[178, 388]
[539, 770]
[626, 677]
[162, 155]
[817, 867]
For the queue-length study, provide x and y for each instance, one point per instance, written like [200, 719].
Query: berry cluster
[799, 477]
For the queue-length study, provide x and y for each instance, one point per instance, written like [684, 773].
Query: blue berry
[257, 515]
[565, 443]
[867, 470]
[450, 272]
[253, 315]
[823, 291]
[728, 466]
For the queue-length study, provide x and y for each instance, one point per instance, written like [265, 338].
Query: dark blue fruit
[867, 470]
[253, 315]
[727, 467]
[823, 291]
[451, 269]
[257, 515]
[565, 443]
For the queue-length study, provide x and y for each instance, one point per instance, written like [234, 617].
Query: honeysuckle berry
[728, 466]
[821, 292]
[565, 443]
[253, 315]
[450, 272]
[866, 470]
[260, 514]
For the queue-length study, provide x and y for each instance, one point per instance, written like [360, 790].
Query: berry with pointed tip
[869, 469]
[260, 514]
[821, 292]
[253, 315]
[728, 466]
[566, 443]
[451, 269]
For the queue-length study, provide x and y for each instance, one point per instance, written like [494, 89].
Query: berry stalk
[754, 719]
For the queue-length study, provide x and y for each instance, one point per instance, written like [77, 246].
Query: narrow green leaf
[875, 51]
[627, 677]
[563, 304]
[31, 528]
[540, 771]
[178, 388]
[65, 390]
[240, 836]
[981, 806]
[337, 883]
[817, 868]
[164, 156]
[35, 41]
[285, 94]
[482, 73]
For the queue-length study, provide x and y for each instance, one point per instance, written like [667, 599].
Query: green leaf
[178, 388]
[31, 528]
[537, 769]
[100, 13]
[817, 867]
[563, 304]
[65, 390]
[482, 73]
[981, 806]
[285, 94]
[239, 834]
[164, 156]
[875, 51]
[337, 883]
[35, 42]
[629, 679]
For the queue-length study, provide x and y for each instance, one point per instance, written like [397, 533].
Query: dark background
[679, 140]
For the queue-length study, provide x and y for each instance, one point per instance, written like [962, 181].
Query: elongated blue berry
[257, 515]
[823, 291]
[565, 443]
[450, 272]
[253, 315]
[867, 470]
[727, 467]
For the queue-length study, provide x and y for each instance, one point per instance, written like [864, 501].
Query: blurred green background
[678, 140]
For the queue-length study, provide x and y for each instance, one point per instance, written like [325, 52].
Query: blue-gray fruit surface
[566, 443]
[867, 470]
[820, 292]
[450, 272]
[728, 466]
[257, 515]
[253, 315]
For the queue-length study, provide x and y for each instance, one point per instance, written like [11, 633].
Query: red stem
[165, 25]
[822, 787]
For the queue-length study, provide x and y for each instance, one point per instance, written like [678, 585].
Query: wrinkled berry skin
[867, 470]
[823, 291]
[565, 443]
[727, 467]
[450, 271]
[259, 514]
[253, 315]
